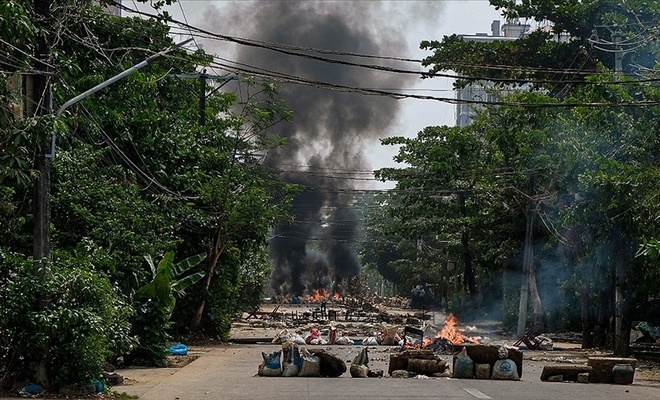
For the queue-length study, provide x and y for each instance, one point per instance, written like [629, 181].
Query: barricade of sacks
[294, 360]
[290, 361]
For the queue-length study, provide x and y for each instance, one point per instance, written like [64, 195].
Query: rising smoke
[331, 130]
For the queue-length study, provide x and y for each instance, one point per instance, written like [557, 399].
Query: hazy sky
[391, 23]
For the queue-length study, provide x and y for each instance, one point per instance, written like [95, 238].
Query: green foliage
[169, 280]
[135, 174]
[101, 204]
[447, 206]
[68, 323]
[590, 172]
[159, 180]
[254, 272]
[154, 303]
[17, 26]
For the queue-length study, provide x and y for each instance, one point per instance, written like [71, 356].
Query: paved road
[229, 372]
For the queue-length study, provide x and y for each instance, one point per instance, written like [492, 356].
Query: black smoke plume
[331, 130]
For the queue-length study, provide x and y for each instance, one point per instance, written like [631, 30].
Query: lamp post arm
[107, 83]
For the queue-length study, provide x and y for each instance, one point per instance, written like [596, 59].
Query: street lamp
[41, 243]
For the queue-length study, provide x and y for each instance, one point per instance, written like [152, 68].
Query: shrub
[61, 327]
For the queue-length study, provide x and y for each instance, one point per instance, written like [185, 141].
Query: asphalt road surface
[229, 372]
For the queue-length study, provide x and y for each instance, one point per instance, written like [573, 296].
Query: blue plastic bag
[179, 349]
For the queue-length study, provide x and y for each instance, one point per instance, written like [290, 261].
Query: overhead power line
[304, 52]
[279, 77]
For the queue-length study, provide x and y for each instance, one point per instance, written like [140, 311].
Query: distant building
[109, 9]
[511, 30]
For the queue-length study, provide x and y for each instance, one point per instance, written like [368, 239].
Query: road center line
[476, 393]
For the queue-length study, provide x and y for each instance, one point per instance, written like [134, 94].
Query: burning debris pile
[438, 340]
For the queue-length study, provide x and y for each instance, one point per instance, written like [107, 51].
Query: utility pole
[621, 332]
[39, 101]
[620, 337]
[528, 258]
[203, 79]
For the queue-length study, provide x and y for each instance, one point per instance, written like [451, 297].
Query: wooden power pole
[39, 103]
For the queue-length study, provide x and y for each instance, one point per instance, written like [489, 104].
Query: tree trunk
[528, 261]
[587, 338]
[622, 339]
[602, 321]
[623, 294]
[470, 279]
[537, 304]
[218, 249]
[623, 312]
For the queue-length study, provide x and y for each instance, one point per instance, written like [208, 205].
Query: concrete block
[568, 372]
[602, 368]
[482, 371]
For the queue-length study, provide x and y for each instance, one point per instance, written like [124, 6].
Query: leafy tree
[201, 190]
[586, 162]
[379, 251]
[18, 34]
[539, 60]
[608, 201]
[443, 207]
[135, 174]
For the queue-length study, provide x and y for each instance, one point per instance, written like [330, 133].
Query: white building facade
[480, 91]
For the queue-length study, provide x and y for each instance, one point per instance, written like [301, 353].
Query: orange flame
[336, 296]
[448, 332]
[452, 333]
[318, 295]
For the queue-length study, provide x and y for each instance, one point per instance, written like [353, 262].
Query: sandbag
[332, 335]
[370, 341]
[317, 341]
[505, 369]
[270, 366]
[390, 336]
[297, 339]
[313, 337]
[463, 365]
[311, 364]
[291, 360]
[344, 341]
[281, 336]
[360, 366]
